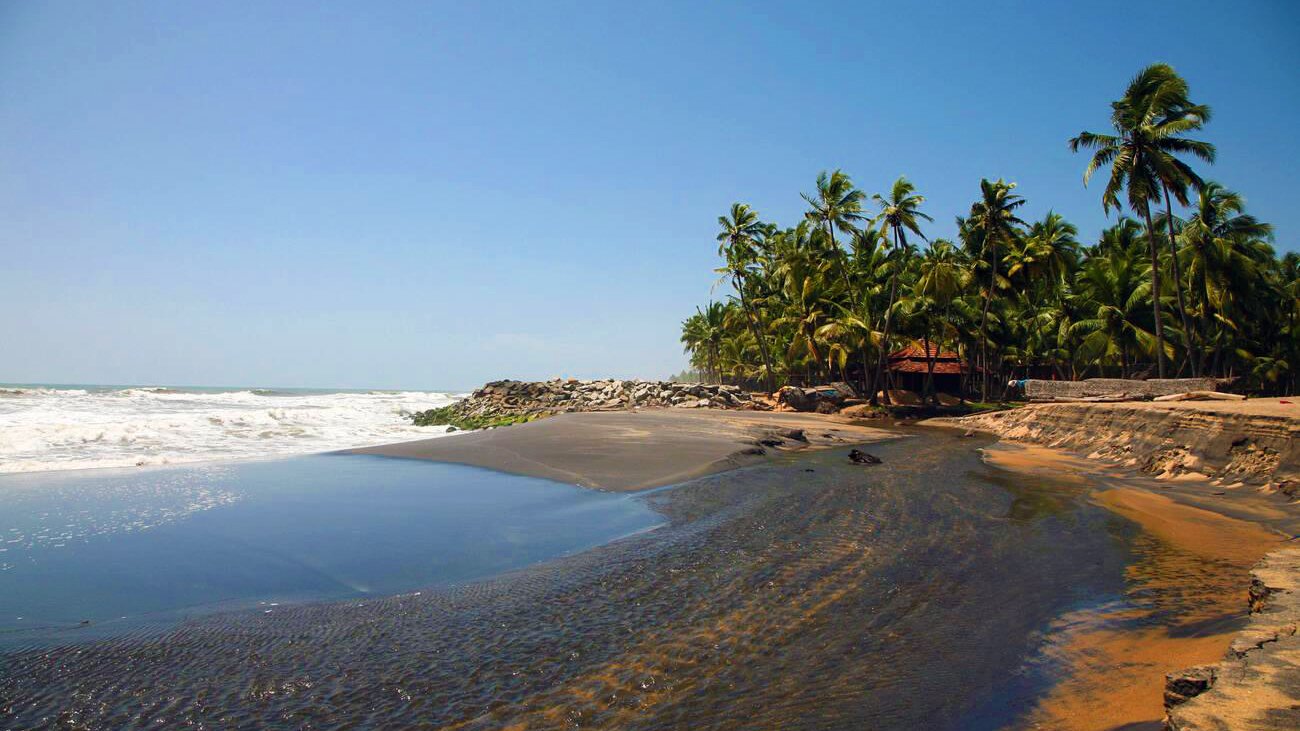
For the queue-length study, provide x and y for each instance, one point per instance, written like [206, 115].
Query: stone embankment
[505, 402]
[1257, 685]
[1234, 443]
[1123, 389]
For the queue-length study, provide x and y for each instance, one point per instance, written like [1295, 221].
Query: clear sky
[428, 195]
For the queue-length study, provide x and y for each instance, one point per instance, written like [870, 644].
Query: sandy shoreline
[804, 592]
[635, 450]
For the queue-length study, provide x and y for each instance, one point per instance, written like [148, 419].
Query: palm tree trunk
[753, 330]
[884, 341]
[1188, 333]
[984, 318]
[929, 370]
[1155, 293]
[853, 302]
[889, 318]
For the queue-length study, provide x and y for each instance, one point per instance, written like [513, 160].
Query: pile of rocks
[826, 399]
[540, 398]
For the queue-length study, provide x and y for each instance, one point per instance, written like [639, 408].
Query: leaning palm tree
[1149, 120]
[992, 224]
[899, 213]
[737, 247]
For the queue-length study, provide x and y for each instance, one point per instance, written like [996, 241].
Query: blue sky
[428, 195]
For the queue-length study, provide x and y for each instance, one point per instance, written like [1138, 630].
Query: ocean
[72, 427]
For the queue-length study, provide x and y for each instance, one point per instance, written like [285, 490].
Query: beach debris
[1201, 396]
[857, 456]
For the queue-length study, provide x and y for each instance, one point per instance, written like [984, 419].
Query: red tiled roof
[941, 367]
[918, 351]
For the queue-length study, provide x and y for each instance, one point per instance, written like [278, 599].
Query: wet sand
[1183, 602]
[933, 591]
[633, 450]
[801, 593]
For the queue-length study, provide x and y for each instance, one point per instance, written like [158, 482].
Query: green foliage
[1203, 293]
[449, 416]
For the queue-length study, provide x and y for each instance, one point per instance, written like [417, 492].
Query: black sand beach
[635, 450]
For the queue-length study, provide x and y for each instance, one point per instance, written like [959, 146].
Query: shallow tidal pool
[91, 553]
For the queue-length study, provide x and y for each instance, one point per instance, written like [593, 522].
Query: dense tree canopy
[1190, 285]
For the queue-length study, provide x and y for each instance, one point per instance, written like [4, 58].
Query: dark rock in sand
[793, 434]
[858, 456]
[1184, 685]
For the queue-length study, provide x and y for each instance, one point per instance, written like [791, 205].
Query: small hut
[907, 369]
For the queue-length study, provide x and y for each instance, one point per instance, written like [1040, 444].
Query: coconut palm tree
[1142, 157]
[992, 223]
[837, 205]
[899, 213]
[1112, 287]
[702, 335]
[942, 276]
[737, 246]
[1226, 258]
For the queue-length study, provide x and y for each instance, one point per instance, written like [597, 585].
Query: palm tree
[1222, 263]
[899, 213]
[807, 298]
[1111, 286]
[942, 277]
[702, 334]
[1149, 118]
[737, 238]
[838, 205]
[992, 223]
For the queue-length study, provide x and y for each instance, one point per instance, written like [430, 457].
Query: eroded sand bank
[1186, 600]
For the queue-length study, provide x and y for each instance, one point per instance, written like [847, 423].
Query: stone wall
[1037, 390]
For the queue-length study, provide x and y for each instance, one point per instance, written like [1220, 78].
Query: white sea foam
[56, 428]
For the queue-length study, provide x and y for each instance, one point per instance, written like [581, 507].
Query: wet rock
[858, 456]
[792, 434]
[1184, 685]
[508, 400]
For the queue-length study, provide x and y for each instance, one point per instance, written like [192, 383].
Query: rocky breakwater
[501, 403]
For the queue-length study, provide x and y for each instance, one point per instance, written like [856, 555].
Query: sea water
[54, 427]
[95, 552]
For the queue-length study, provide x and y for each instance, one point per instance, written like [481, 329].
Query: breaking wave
[61, 428]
